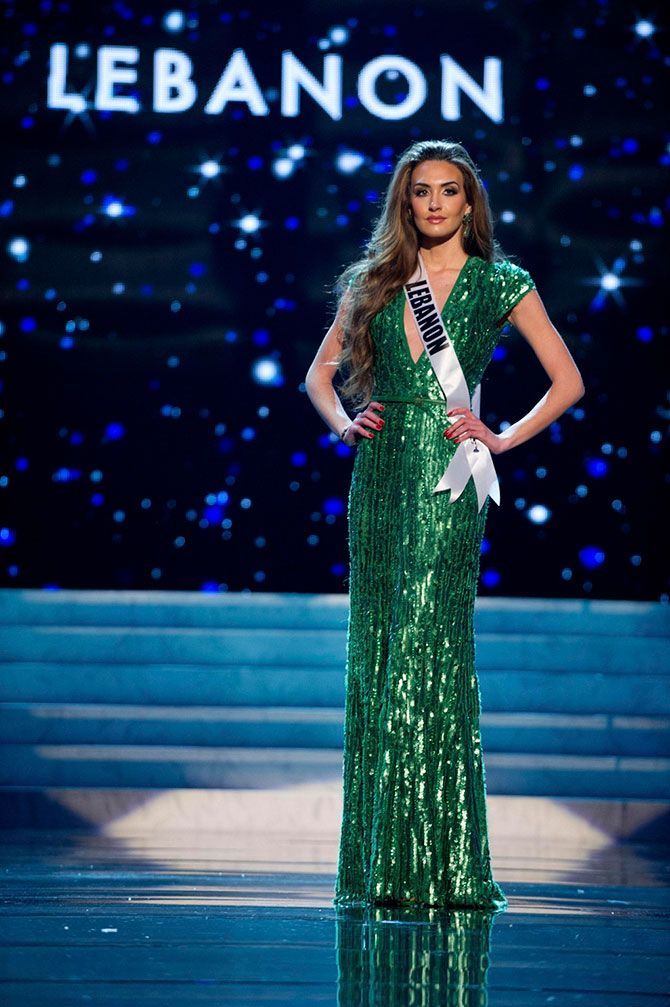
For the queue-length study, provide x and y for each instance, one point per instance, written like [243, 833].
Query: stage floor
[231, 918]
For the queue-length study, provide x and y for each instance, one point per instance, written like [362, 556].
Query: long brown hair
[390, 258]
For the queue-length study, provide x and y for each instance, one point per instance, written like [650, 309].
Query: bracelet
[344, 432]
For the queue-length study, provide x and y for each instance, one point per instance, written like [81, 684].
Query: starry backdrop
[168, 276]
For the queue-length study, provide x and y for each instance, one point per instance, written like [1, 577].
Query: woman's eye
[423, 192]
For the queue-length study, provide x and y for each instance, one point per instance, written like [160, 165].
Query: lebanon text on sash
[472, 458]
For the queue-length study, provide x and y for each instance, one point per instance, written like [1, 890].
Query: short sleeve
[513, 285]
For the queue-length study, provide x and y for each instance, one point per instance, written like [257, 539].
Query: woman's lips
[435, 220]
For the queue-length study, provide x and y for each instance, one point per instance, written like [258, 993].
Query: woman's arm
[322, 394]
[319, 379]
[531, 319]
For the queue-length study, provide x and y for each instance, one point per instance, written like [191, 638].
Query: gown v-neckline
[416, 362]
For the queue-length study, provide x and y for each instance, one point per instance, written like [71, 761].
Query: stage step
[313, 727]
[267, 610]
[630, 692]
[568, 653]
[182, 689]
[163, 766]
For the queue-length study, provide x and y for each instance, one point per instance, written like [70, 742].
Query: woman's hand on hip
[364, 423]
[465, 424]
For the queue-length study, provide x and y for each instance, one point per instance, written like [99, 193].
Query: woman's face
[437, 198]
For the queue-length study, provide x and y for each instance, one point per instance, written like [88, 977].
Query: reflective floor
[243, 919]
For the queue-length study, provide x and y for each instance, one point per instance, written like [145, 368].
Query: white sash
[472, 458]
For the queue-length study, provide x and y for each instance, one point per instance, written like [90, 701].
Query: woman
[414, 826]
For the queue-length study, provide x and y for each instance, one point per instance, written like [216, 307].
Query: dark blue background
[141, 451]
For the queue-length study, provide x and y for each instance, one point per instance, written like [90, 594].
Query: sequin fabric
[411, 956]
[414, 826]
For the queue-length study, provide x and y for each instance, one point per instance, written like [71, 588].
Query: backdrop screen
[180, 187]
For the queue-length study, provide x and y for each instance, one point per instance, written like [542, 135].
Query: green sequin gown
[414, 825]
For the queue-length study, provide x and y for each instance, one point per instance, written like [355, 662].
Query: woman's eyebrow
[451, 182]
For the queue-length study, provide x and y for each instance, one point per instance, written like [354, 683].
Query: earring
[466, 224]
